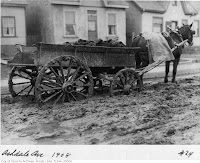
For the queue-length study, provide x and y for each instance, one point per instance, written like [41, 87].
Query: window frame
[64, 23]
[116, 24]
[176, 24]
[154, 17]
[197, 33]
[174, 3]
[2, 35]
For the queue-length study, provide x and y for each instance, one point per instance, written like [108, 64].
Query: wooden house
[13, 26]
[59, 21]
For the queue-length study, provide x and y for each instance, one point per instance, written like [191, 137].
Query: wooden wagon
[58, 73]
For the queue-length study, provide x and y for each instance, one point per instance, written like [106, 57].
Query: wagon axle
[68, 87]
[127, 89]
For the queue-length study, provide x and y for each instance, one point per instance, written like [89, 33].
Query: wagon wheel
[22, 81]
[63, 79]
[125, 82]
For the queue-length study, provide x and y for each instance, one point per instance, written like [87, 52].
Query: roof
[150, 6]
[105, 3]
[161, 6]
[64, 2]
[14, 3]
[188, 8]
[116, 3]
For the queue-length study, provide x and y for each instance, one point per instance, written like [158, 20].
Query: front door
[92, 25]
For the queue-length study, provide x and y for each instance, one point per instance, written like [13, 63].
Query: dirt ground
[160, 114]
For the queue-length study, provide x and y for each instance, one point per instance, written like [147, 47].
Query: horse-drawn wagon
[56, 73]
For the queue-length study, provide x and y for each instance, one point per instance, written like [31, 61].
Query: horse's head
[187, 33]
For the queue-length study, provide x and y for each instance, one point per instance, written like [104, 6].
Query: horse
[173, 38]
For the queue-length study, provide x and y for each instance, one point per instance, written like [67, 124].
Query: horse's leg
[138, 63]
[175, 65]
[167, 64]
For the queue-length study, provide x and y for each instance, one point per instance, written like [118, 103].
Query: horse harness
[166, 34]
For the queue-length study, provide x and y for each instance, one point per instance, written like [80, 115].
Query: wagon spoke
[21, 83]
[75, 74]
[81, 93]
[84, 85]
[25, 77]
[23, 89]
[50, 89]
[48, 84]
[64, 96]
[28, 72]
[69, 69]
[131, 79]
[30, 90]
[81, 77]
[121, 80]
[73, 96]
[52, 81]
[58, 98]
[125, 74]
[68, 98]
[52, 96]
[54, 72]
[61, 71]
[119, 84]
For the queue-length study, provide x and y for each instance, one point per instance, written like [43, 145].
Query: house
[13, 26]
[59, 21]
[155, 16]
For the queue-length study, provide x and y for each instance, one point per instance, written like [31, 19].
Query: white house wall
[147, 21]
[81, 23]
[19, 14]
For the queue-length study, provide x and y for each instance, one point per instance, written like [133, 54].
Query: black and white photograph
[100, 72]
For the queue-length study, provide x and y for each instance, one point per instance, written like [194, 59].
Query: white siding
[82, 23]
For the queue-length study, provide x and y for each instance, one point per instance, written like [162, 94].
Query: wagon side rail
[24, 56]
[93, 56]
[42, 53]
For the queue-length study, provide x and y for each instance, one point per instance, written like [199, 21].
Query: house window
[157, 24]
[196, 27]
[70, 24]
[174, 25]
[174, 3]
[112, 25]
[184, 21]
[8, 26]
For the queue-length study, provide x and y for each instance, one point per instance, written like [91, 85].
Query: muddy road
[160, 114]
